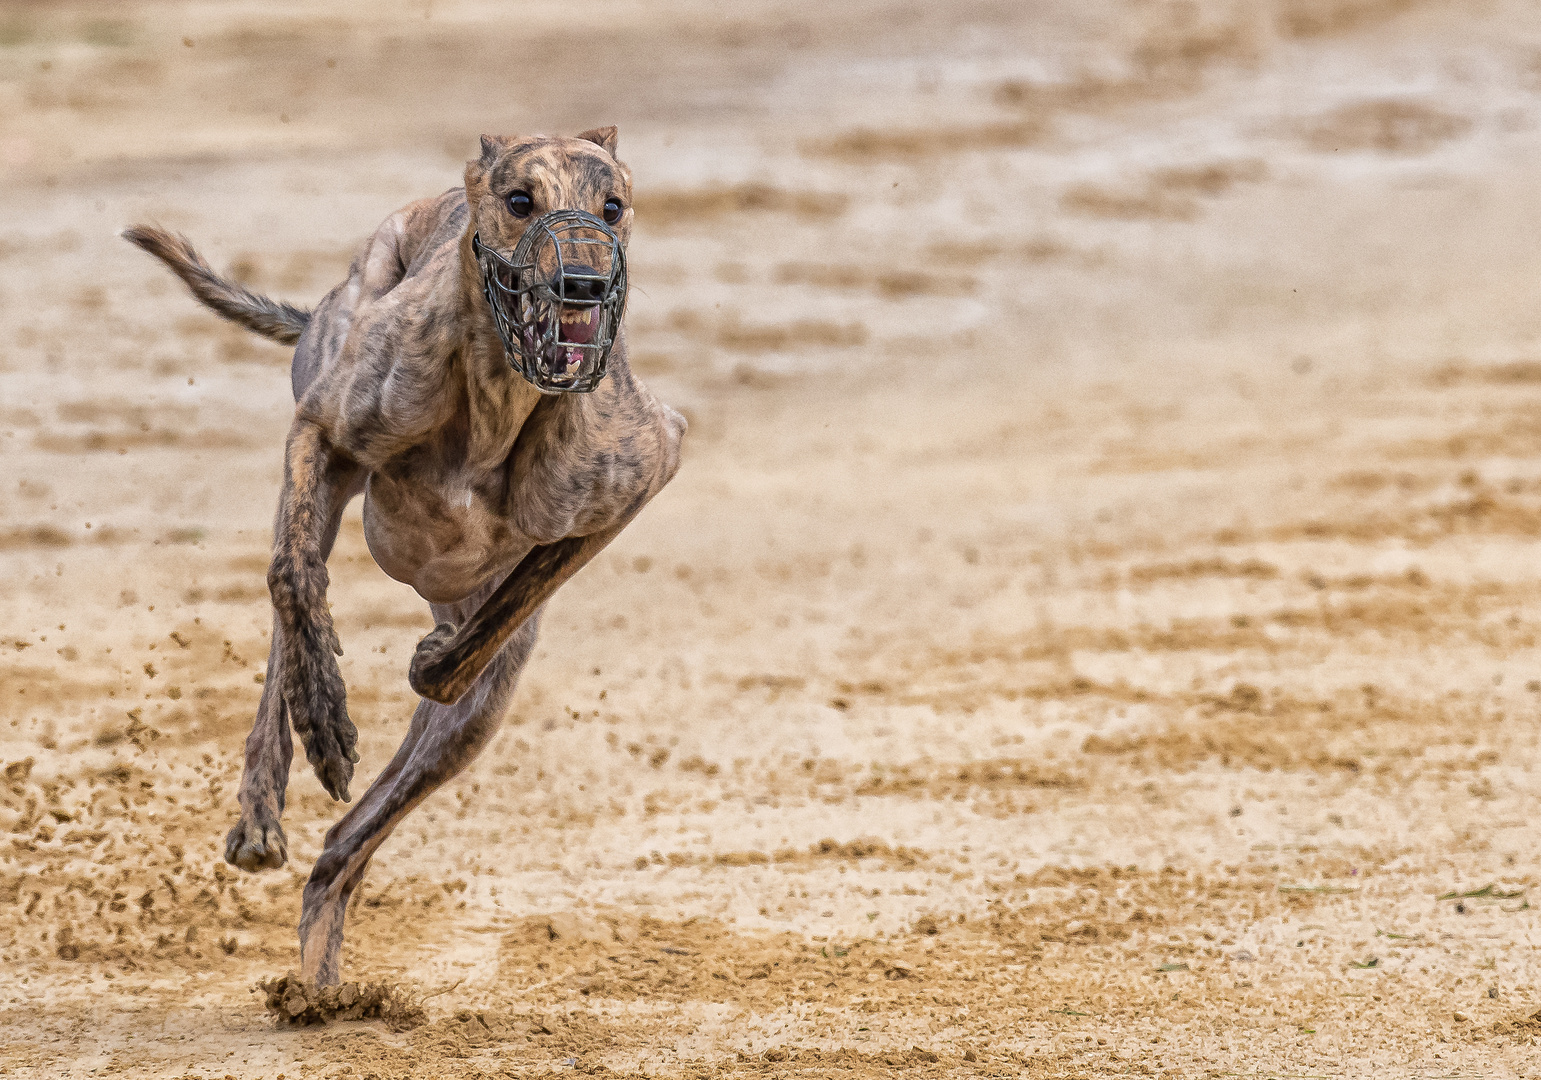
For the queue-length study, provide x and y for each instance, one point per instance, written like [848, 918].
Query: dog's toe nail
[247, 859]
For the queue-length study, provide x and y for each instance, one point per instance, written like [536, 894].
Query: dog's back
[415, 240]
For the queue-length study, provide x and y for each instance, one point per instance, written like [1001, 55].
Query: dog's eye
[520, 204]
[613, 210]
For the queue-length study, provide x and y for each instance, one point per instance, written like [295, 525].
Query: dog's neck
[498, 397]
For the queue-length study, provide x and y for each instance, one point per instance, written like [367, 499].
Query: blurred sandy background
[1094, 631]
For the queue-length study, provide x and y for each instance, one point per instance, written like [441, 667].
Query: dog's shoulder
[635, 423]
[388, 316]
[427, 226]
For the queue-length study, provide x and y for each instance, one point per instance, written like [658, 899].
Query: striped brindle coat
[481, 493]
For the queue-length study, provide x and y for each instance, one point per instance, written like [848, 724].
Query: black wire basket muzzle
[558, 301]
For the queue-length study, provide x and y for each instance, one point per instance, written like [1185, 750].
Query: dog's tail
[274, 319]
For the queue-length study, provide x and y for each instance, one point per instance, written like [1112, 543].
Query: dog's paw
[317, 702]
[435, 645]
[256, 843]
[423, 675]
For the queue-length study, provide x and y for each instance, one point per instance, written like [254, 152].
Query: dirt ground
[1094, 631]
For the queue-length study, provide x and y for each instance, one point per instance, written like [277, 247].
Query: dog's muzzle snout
[557, 302]
[581, 285]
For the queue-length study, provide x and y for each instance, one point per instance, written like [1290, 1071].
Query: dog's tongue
[578, 325]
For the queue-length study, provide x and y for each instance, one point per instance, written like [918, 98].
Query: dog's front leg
[450, 658]
[257, 841]
[318, 479]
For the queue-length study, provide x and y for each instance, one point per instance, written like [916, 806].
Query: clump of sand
[294, 1001]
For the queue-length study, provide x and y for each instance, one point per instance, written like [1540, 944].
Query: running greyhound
[469, 379]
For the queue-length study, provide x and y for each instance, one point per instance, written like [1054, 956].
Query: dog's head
[549, 221]
[518, 179]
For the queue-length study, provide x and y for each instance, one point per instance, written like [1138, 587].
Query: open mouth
[576, 329]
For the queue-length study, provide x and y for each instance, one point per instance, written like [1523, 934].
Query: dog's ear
[489, 151]
[605, 137]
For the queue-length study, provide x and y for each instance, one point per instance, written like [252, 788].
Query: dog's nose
[580, 282]
[581, 287]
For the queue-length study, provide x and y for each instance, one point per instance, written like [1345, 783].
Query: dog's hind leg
[442, 740]
[257, 842]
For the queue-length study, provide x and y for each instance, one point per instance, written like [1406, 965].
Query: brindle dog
[480, 492]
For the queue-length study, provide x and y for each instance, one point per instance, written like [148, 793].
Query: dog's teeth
[575, 316]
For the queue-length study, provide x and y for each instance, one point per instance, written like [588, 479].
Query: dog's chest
[440, 532]
[444, 521]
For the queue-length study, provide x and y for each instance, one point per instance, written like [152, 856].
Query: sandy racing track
[1093, 633]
